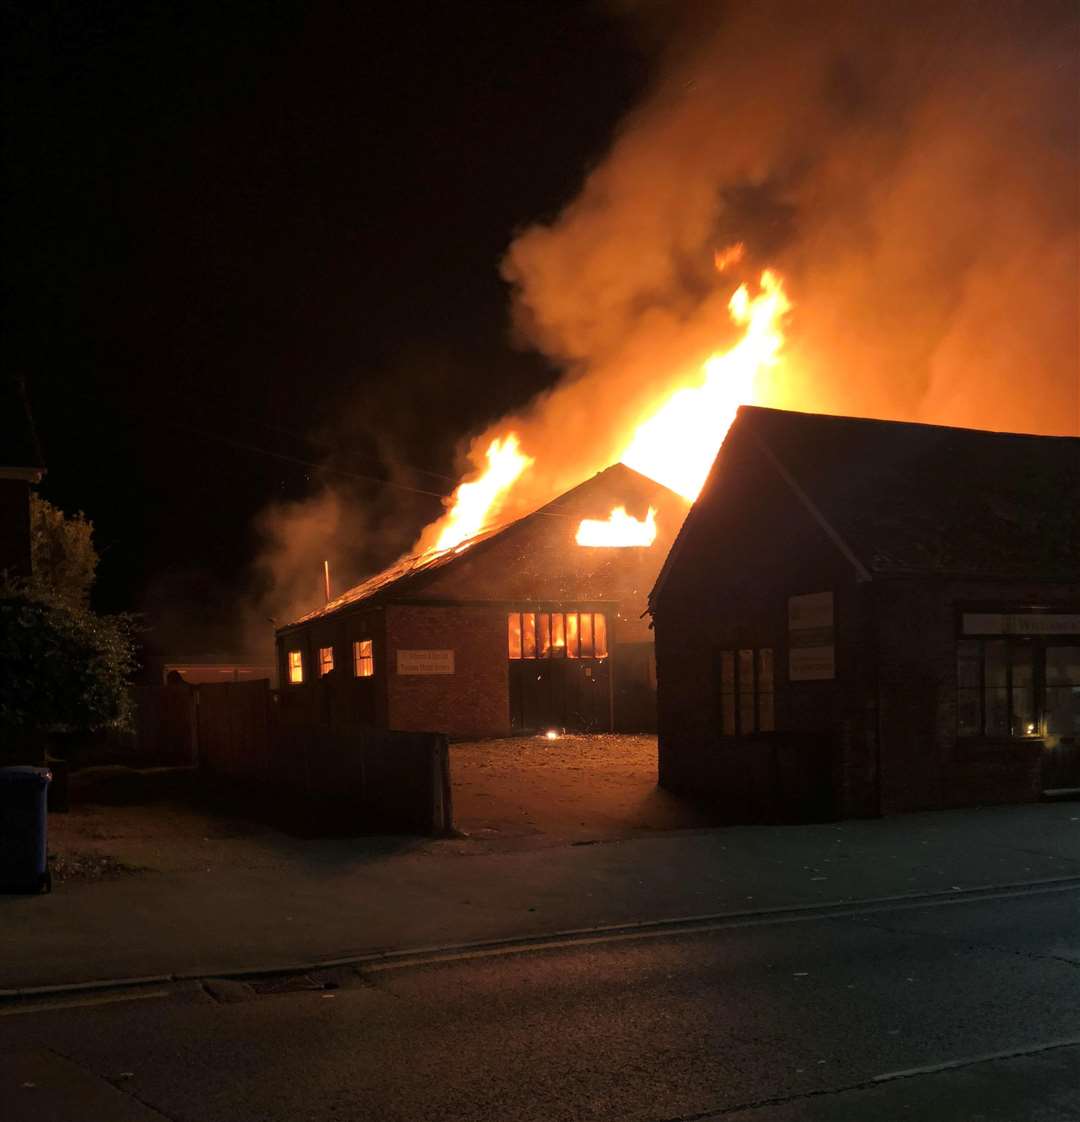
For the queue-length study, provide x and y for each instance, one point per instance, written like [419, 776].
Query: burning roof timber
[538, 557]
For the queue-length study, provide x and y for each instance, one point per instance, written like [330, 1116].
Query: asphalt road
[955, 1012]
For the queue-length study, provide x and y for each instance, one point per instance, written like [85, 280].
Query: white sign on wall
[811, 642]
[425, 662]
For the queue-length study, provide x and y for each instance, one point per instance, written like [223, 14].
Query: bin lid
[24, 773]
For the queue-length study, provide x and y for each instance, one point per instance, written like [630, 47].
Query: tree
[62, 668]
[63, 558]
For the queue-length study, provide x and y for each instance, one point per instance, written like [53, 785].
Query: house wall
[339, 698]
[924, 764]
[474, 700]
[750, 545]
[15, 524]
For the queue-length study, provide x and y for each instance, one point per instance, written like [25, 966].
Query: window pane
[997, 712]
[558, 633]
[1063, 711]
[363, 659]
[585, 626]
[765, 669]
[1022, 662]
[727, 671]
[968, 664]
[528, 634]
[571, 634]
[513, 634]
[746, 691]
[1023, 711]
[600, 635]
[969, 712]
[1063, 666]
[326, 660]
[728, 714]
[296, 667]
[543, 621]
[995, 664]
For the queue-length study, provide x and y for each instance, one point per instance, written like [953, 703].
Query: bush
[62, 668]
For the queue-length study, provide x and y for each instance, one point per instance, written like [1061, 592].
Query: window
[1015, 688]
[747, 691]
[363, 659]
[326, 660]
[296, 667]
[556, 635]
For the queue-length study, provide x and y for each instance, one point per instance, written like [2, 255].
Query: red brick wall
[924, 764]
[474, 700]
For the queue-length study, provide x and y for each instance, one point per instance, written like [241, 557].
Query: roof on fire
[408, 576]
[902, 498]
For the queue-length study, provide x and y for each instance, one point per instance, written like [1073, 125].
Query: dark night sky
[281, 224]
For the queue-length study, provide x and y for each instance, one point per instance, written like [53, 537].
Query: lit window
[556, 635]
[746, 691]
[326, 660]
[296, 667]
[363, 659]
[997, 695]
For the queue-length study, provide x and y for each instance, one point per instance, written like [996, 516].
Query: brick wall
[474, 700]
[924, 764]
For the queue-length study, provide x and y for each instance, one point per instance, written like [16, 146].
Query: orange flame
[475, 504]
[677, 443]
[620, 529]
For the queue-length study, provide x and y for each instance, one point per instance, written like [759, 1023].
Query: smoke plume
[910, 169]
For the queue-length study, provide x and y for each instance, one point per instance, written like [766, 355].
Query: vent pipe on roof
[326, 579]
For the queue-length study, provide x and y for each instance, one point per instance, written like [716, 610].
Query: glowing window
[556, 635]
[363, 659]
[513, 634]
[326, 660]
[296, 667]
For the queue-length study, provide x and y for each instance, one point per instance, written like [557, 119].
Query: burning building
[535, 625]
[862, 617]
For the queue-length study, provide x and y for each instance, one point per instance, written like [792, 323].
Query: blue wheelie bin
[24, 857]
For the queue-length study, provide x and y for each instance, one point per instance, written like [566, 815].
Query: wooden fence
[340, 779]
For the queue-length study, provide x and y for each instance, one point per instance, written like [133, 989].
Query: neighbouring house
[519, 629]
[862, 617]
[21, 467]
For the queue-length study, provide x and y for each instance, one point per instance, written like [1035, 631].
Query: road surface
[962, 1011]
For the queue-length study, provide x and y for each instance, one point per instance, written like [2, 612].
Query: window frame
[326, 666]
[363, 660]
[730, 669]
[297, 666]
[540, 635]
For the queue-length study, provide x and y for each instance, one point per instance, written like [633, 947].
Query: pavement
[291, 903]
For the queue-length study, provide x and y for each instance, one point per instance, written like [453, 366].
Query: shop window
[1063, 691]
[296, 667]
[363, 658]
[997, 695]
[556, 635]
[747, 691]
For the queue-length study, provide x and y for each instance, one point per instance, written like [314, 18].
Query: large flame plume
[677, 444]
[475, 503]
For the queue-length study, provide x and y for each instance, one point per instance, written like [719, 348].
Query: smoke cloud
[912, 172]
